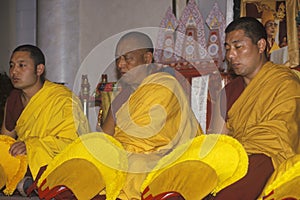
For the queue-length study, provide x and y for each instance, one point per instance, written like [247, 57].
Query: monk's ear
[262, 45]
[148, 56]
[40, 69]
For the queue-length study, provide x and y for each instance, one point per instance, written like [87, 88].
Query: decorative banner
[214, 48]
[216, 38]
[190, 42]
[164, 51]
[199, 99]
[216, 19]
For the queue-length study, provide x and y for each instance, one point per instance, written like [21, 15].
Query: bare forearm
[108, 126]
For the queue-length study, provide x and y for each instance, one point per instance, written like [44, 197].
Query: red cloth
[230, 94]
[14, 108]
[260, 166]
[250, 186]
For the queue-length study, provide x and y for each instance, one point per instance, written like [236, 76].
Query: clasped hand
[18, 148]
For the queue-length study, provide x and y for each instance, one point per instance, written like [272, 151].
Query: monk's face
[132, 60]
[22, 71]
[271, 28]
[242, 55]
[129, 55]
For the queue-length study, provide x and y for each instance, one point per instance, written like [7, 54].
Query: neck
[248, 78]
[28, 93]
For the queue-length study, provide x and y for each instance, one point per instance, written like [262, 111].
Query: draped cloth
[285, 181]
[12, 168]
[156, 117]
[274, 47]
[225, 159]
[266, 116]
[155, 120]
[94, 162]
[51, 120]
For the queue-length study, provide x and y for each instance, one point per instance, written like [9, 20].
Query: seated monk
[41, 118]
[261, 110]
[261, 107]
[150, 117]
[157, 133]
[126, 62]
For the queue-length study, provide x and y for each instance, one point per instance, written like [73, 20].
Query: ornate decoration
[190, 39]
[164, 51]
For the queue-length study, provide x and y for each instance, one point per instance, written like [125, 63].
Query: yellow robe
[52, 119]
[155, 119]
[266, 117]
[274, 47]
[159, 118]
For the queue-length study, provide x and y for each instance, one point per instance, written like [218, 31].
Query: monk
[43, 117]
[262, 109]
[148, 119]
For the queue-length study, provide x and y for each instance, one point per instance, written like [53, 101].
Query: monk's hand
[17, 148]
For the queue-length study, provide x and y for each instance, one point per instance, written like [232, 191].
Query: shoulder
[56, 89]
[282, 80]
[281, 73]
[162, 79]
[58, 93]
[14, 94]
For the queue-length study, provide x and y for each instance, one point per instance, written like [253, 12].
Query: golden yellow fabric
[3, 177]
[69, 173]
[195, 181]
[285, 181]
[12, 169]
[155, 119]
[292, 32]
[297, 73]
[51, 120]
[159, 116]
[274, 47]
[90, 163]
[265, 118]
[222, 153]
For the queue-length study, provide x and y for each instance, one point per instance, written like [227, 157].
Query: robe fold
[266, 115]
[159, 116]
[155, 120]
[51, 120]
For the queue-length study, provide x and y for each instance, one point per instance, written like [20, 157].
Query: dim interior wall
[8, 31]
[17, 25]
[100, 21]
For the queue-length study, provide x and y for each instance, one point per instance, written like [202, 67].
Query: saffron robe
[156, 119]
[52, 119]
[266, 116]
[160, 116]
[150, 124]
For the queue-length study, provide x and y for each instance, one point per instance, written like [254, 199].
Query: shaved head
[133, 41]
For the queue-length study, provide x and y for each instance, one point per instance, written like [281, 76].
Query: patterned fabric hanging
[164, 51]
[190, 39]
